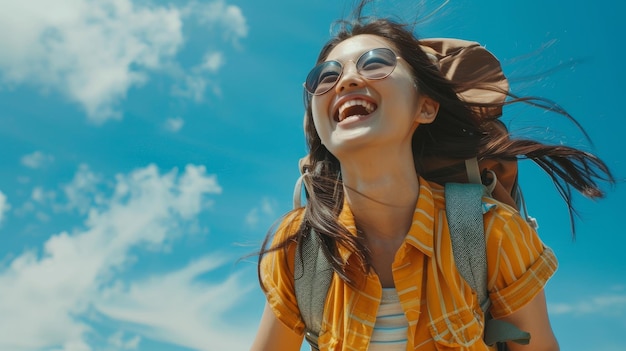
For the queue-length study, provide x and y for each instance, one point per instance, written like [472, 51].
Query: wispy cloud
[4, 206]
[82, 192]
[218, 13]
[119, 343]
[174, 124]
[264, 212]
[37, 160]
[93, 52]
[55, 296]
[180, 308]
[212, 62]
[40, 195]
[613, 304]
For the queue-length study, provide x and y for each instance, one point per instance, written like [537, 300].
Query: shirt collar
[420, 233]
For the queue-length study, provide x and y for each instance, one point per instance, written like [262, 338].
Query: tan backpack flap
[474, 68]
[479, 76]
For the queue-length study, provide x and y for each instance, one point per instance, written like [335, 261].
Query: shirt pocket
[460, 330]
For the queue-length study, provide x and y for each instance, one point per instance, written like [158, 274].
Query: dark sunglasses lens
[377, 63]
[323, 77]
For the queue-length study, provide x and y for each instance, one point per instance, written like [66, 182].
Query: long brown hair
[457, 133]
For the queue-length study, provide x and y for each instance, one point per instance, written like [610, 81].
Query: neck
[382, 192]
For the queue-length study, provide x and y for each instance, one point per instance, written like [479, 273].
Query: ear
[427, 110]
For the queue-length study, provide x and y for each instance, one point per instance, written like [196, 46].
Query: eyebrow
[359, 55]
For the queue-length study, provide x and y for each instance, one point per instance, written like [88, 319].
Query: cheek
[323, 130]
[320, 118]
[408, 88]
[402, 99]
[410, 95]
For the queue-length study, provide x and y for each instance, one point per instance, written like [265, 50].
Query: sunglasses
[374, 64]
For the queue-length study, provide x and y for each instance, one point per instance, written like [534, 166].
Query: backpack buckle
[532, 221]
[311, 338]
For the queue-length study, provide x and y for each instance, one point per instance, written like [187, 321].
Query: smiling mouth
[352, 108]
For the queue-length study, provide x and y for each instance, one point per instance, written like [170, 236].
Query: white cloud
[179, 308]
[219, 13]
[40, 195]
[117, 341]
[4, 206]
[191, 86]
[52, 298]
[174, 124]
[213, 61]
[94, 51]
[37, 159]
[265, 211]
[192, 182]
[82, 192]
[606, 304]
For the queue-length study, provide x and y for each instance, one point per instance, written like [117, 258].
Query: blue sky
[148, 146]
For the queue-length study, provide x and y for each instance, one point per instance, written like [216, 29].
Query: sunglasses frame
[319, 68]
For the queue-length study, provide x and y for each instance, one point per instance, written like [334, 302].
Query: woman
[379, 114]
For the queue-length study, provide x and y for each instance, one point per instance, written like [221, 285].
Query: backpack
[460, 61]
[470, 64]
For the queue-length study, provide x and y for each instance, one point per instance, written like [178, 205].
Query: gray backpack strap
[499, 331]
[465, 218]
[313, 274]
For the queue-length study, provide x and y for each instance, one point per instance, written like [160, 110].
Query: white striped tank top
[390, 330]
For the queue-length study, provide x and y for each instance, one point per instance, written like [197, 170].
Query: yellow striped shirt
[442, 311]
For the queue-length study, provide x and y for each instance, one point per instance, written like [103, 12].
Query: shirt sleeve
[518, 263]
[277, 274]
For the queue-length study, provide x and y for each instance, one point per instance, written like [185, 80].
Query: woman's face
[358, 112]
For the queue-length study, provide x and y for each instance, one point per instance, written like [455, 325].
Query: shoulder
[508, 233]
[289, 225]
[519, 264]
[281, 252]
[504, 222]
[276, 271]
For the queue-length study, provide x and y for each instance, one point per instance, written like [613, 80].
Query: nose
[350, 78]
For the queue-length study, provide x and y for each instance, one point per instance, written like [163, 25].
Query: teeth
[369, 107]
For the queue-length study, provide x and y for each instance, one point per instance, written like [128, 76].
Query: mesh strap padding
[465, 220]
[313, 274]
